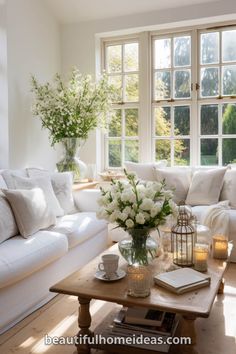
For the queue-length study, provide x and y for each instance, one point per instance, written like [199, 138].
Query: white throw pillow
[176, 178]
[8, 227]
[206, 187]
[31, 210]
[229, 188]
[145, 171]
[3, 184]
[8, 176]
[62, 183]
[43, 183]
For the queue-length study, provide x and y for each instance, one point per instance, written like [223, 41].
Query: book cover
[144, 316]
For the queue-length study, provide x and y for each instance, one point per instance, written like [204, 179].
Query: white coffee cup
[109, 264]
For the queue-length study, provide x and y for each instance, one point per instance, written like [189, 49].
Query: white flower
[129, 223]
[102, 214]
[140, 218]
[168, 194]
[128, 196]
[156, 209]
[147, 204]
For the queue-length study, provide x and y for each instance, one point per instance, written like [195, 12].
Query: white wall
[33, 40]
[79, 40]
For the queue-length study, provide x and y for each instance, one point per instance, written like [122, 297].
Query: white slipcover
[21, 257]
[79, 227]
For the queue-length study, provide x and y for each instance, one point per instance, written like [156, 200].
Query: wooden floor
[215, 335]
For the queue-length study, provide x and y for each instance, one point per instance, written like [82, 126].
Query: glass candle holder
[200, 257]
[139, 280]
[220, 247]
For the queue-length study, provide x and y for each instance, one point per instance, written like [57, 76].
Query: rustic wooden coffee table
[190, 305]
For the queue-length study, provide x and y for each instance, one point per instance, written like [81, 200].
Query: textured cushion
[8, 227]
[206, 187]
[229, 188]
[177, 179]
[79, 227]
[145, 171]
[3, 184]
[43, 183]
[62, 185]
[31, 210]
[22, 257]
[8, 176]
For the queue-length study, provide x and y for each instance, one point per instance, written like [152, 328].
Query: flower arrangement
[72, 109]
[132, 204]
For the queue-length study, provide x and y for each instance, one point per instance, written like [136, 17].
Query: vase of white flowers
[137, 207]
[71, 110]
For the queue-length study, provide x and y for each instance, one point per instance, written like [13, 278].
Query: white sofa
[28, 267]
[181, 178]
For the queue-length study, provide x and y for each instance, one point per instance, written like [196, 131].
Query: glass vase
[139, 248]
[70, 160]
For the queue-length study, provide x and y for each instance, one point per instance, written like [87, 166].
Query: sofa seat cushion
[21, 257]
[79, 227]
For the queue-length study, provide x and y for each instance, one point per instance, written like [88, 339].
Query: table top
[198, 302]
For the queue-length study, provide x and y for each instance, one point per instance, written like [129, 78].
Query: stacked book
[182, 280]
[141, 322]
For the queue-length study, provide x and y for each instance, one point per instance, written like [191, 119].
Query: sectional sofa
[29, 266]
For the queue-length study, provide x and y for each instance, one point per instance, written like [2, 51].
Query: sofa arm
[86, 199]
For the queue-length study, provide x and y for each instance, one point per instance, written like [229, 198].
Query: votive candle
[139, 281]
[220, 247]
[200, 257]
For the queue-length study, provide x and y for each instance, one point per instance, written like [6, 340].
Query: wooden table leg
[188, 330]
[84, 321]
[221, 287]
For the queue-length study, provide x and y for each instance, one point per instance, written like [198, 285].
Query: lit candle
[139, 281]
[200, 257]
[220, 247]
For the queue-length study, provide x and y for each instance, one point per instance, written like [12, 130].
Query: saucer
[119, 275]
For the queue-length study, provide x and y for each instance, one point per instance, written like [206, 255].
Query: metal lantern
[183, 238]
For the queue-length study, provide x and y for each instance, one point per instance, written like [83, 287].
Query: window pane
[182, 120]
[182, 152]
[229, 119]
[182, 83]
[114, 59]
[209, 82]
[131, 57]
[229, 151]
[163, 149]
[116, 82]
[131, 122]
[209, 152]
[115, 123]
[182, 51]
[209, 119]
[162, 53]
[229, 46]
[229, 80]
[210, 48]
[162, 85]
[162, 121]
[114, 149]
[131, 88]
[131, 150]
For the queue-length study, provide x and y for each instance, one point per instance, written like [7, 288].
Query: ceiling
[71, 11]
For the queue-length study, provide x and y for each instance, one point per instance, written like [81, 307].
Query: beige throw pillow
[31, 210]
[145, 171]
[229, 188]
[8, 227]
[62, 183]
[176, 178]
[43, 183]
[206, 187]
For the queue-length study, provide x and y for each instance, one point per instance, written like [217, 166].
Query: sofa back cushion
[8, 227]
[228, 191]
[176, 178]
[31, 210]
[43, 183]
[62, 183]
[206, 186]
[145, 171]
